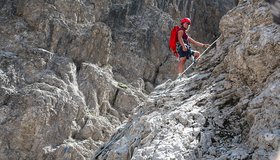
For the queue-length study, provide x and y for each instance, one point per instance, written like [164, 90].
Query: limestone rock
[149, 26]
[74, 77]
[227, 109]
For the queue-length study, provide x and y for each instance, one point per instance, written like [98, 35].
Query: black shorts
[187, 53]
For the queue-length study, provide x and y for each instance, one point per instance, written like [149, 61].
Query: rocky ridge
[65, 92]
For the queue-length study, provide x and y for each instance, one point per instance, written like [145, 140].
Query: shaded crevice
[14, 8]
[206, 124]
[6, 100]
[115, 98]
[50, 36]
[157, 69]
[232, 101]
[2, 3]
[78, 65]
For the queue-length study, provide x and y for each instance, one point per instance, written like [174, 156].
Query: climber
[185, 51]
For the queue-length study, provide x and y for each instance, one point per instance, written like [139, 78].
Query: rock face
[58, 96]
[141, 30]
[44, 103]
[76, 74]
[228, 108]
[111, 32]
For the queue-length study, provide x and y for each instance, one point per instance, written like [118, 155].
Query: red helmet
[184, 20]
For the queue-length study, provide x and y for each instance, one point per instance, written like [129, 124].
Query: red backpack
[173, 40]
